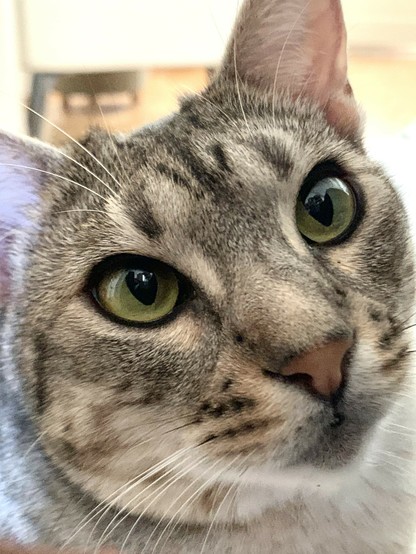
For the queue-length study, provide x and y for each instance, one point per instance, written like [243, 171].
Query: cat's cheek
[370, 385]
[92, 430]
[383, 346]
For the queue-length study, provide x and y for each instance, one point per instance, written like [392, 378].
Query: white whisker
[237, 84]
[399, 433]
[399, 468]
[113, 144]
[162, 488]
[19, 166]
[34, 443]
[85, 168]
[234, 487]
[191, 498]
[114, 496]
[73, 140]
[75, 210]
[109, 529]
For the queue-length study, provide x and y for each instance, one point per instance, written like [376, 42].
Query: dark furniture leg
[42, 83]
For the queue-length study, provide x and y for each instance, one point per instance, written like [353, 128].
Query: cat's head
[219, 298]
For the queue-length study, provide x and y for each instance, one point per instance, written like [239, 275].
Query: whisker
[113, 144]
[85, 168]
[161, 490]
[164, 488]
[392, 455]
[73, 140]
[413, 314]
[140, 444]
[392, 424]
[192, 497]
[237, 84]
[401, 434]
[34, 443]
[234, 487]
[399, 469]
[403, 395]
[160, 424]
[83, 210]
[121, 515]
[114, 496]
[19, 166]
[109, 529]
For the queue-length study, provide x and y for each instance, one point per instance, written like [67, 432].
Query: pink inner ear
[325, 40]
[331, 88]
[295, 46]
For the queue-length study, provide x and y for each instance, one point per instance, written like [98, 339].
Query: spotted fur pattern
[225, 457]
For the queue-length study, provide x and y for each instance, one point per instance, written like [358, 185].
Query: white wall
[103, 34]
[11, 77]
[88, 35]
[381, 25]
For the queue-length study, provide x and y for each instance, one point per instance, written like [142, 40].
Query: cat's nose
[320, 369]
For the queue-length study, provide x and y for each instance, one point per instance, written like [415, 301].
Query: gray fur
[211, 191]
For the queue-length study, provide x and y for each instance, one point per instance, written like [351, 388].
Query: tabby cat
[207, 334]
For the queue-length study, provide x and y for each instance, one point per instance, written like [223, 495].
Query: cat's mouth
[315, 432]
[339, 436]
[338, 446]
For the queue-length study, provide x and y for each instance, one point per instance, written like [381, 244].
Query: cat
[207, 339]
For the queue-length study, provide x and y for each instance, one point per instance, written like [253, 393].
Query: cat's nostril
[320, 370]
[301, 379]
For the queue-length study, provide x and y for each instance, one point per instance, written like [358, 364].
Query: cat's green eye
[326, 211]
[139, 291]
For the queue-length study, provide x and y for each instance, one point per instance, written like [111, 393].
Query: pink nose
[320, 368]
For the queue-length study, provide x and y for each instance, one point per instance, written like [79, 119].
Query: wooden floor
[385, 88]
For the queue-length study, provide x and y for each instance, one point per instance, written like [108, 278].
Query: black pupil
[320, 207]
[143, 285]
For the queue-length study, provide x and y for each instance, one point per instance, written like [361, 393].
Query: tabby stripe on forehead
[275, 152]
[174, 176]
[143, 218]
[221, 158]
[209, 179]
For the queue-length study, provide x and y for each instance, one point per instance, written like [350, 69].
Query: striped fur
[211, 191]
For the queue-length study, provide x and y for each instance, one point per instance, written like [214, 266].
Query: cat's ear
[299, 47]
[23, 167]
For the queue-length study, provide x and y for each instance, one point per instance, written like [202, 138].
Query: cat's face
[197, 398]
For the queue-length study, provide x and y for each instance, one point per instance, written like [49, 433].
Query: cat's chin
[267, 488]
[304, 478]
[267, 491]
[333, 462]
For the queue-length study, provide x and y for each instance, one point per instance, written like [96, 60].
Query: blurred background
[123, 63]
